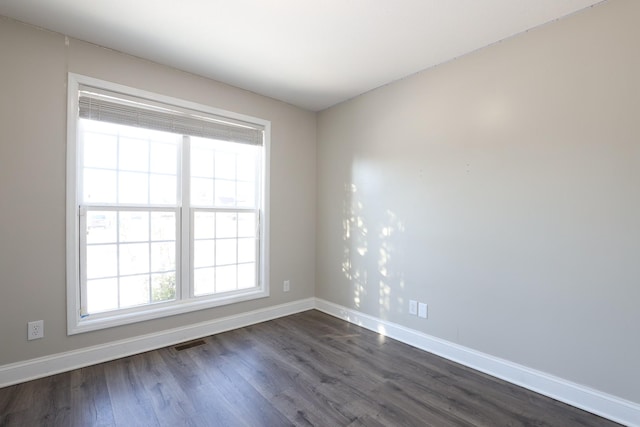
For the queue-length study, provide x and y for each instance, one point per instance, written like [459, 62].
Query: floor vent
[189, 344]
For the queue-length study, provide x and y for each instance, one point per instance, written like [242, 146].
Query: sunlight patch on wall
[370, 258]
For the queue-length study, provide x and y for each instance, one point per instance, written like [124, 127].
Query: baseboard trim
[591, 400]
[49, 365]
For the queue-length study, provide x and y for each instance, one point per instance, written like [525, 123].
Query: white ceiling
[312, 54]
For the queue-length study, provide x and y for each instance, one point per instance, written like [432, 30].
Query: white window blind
[112, 107]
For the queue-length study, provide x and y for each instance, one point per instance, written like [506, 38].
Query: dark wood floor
[308, 369]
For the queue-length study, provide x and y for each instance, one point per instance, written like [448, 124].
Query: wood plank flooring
[308, 369]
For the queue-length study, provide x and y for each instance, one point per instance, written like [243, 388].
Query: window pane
[217, 245]
[226, 225]
[202, 192]
[203, 253]
[226, 279]
[133, 188]
[134, 290]
[222, 146]
[163, 287]
[102, 295]
[163, 226]
[225, 166]
[99, 186]
[226, 251]
[134, 155]
[204, 225]
[225, 192]
[246, 195]
[102, 261]
[246, 276]
[246, 166]
[134, 258]
[204, 281]
[201, 160]
[131, 261]
[163, 256]
[100, 150]
[134, 226]
[163, 158]
[247, 224]
[246, 250]
[162, 189]
[101, 227]
[234, 168]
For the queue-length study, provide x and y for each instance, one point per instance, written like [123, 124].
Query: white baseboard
[588, 399]
[41, 367]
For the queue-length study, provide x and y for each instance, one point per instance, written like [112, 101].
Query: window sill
[106, 320]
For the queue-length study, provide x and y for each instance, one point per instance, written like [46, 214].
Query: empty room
[329, 213]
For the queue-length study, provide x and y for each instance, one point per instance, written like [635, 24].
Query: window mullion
[118, 248]
[82, 224]
[258, 245]
[186, 216]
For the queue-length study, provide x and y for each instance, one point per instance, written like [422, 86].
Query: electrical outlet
[413, 307]
[35, 330]
[422, 310]
[286, 286]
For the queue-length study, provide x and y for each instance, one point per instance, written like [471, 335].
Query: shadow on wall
[371, 259]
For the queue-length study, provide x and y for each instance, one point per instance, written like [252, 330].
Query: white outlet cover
[422, 310]
[286, 286]
[35, 330]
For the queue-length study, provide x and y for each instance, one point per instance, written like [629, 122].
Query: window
[166, 206]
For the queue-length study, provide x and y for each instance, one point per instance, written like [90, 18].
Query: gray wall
[33, 75]
[501, 188]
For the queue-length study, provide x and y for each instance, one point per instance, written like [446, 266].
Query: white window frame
[79, 323]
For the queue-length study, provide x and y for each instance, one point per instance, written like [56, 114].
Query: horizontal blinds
[100, 105]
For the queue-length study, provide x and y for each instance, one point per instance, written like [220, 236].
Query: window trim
[78, 324]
